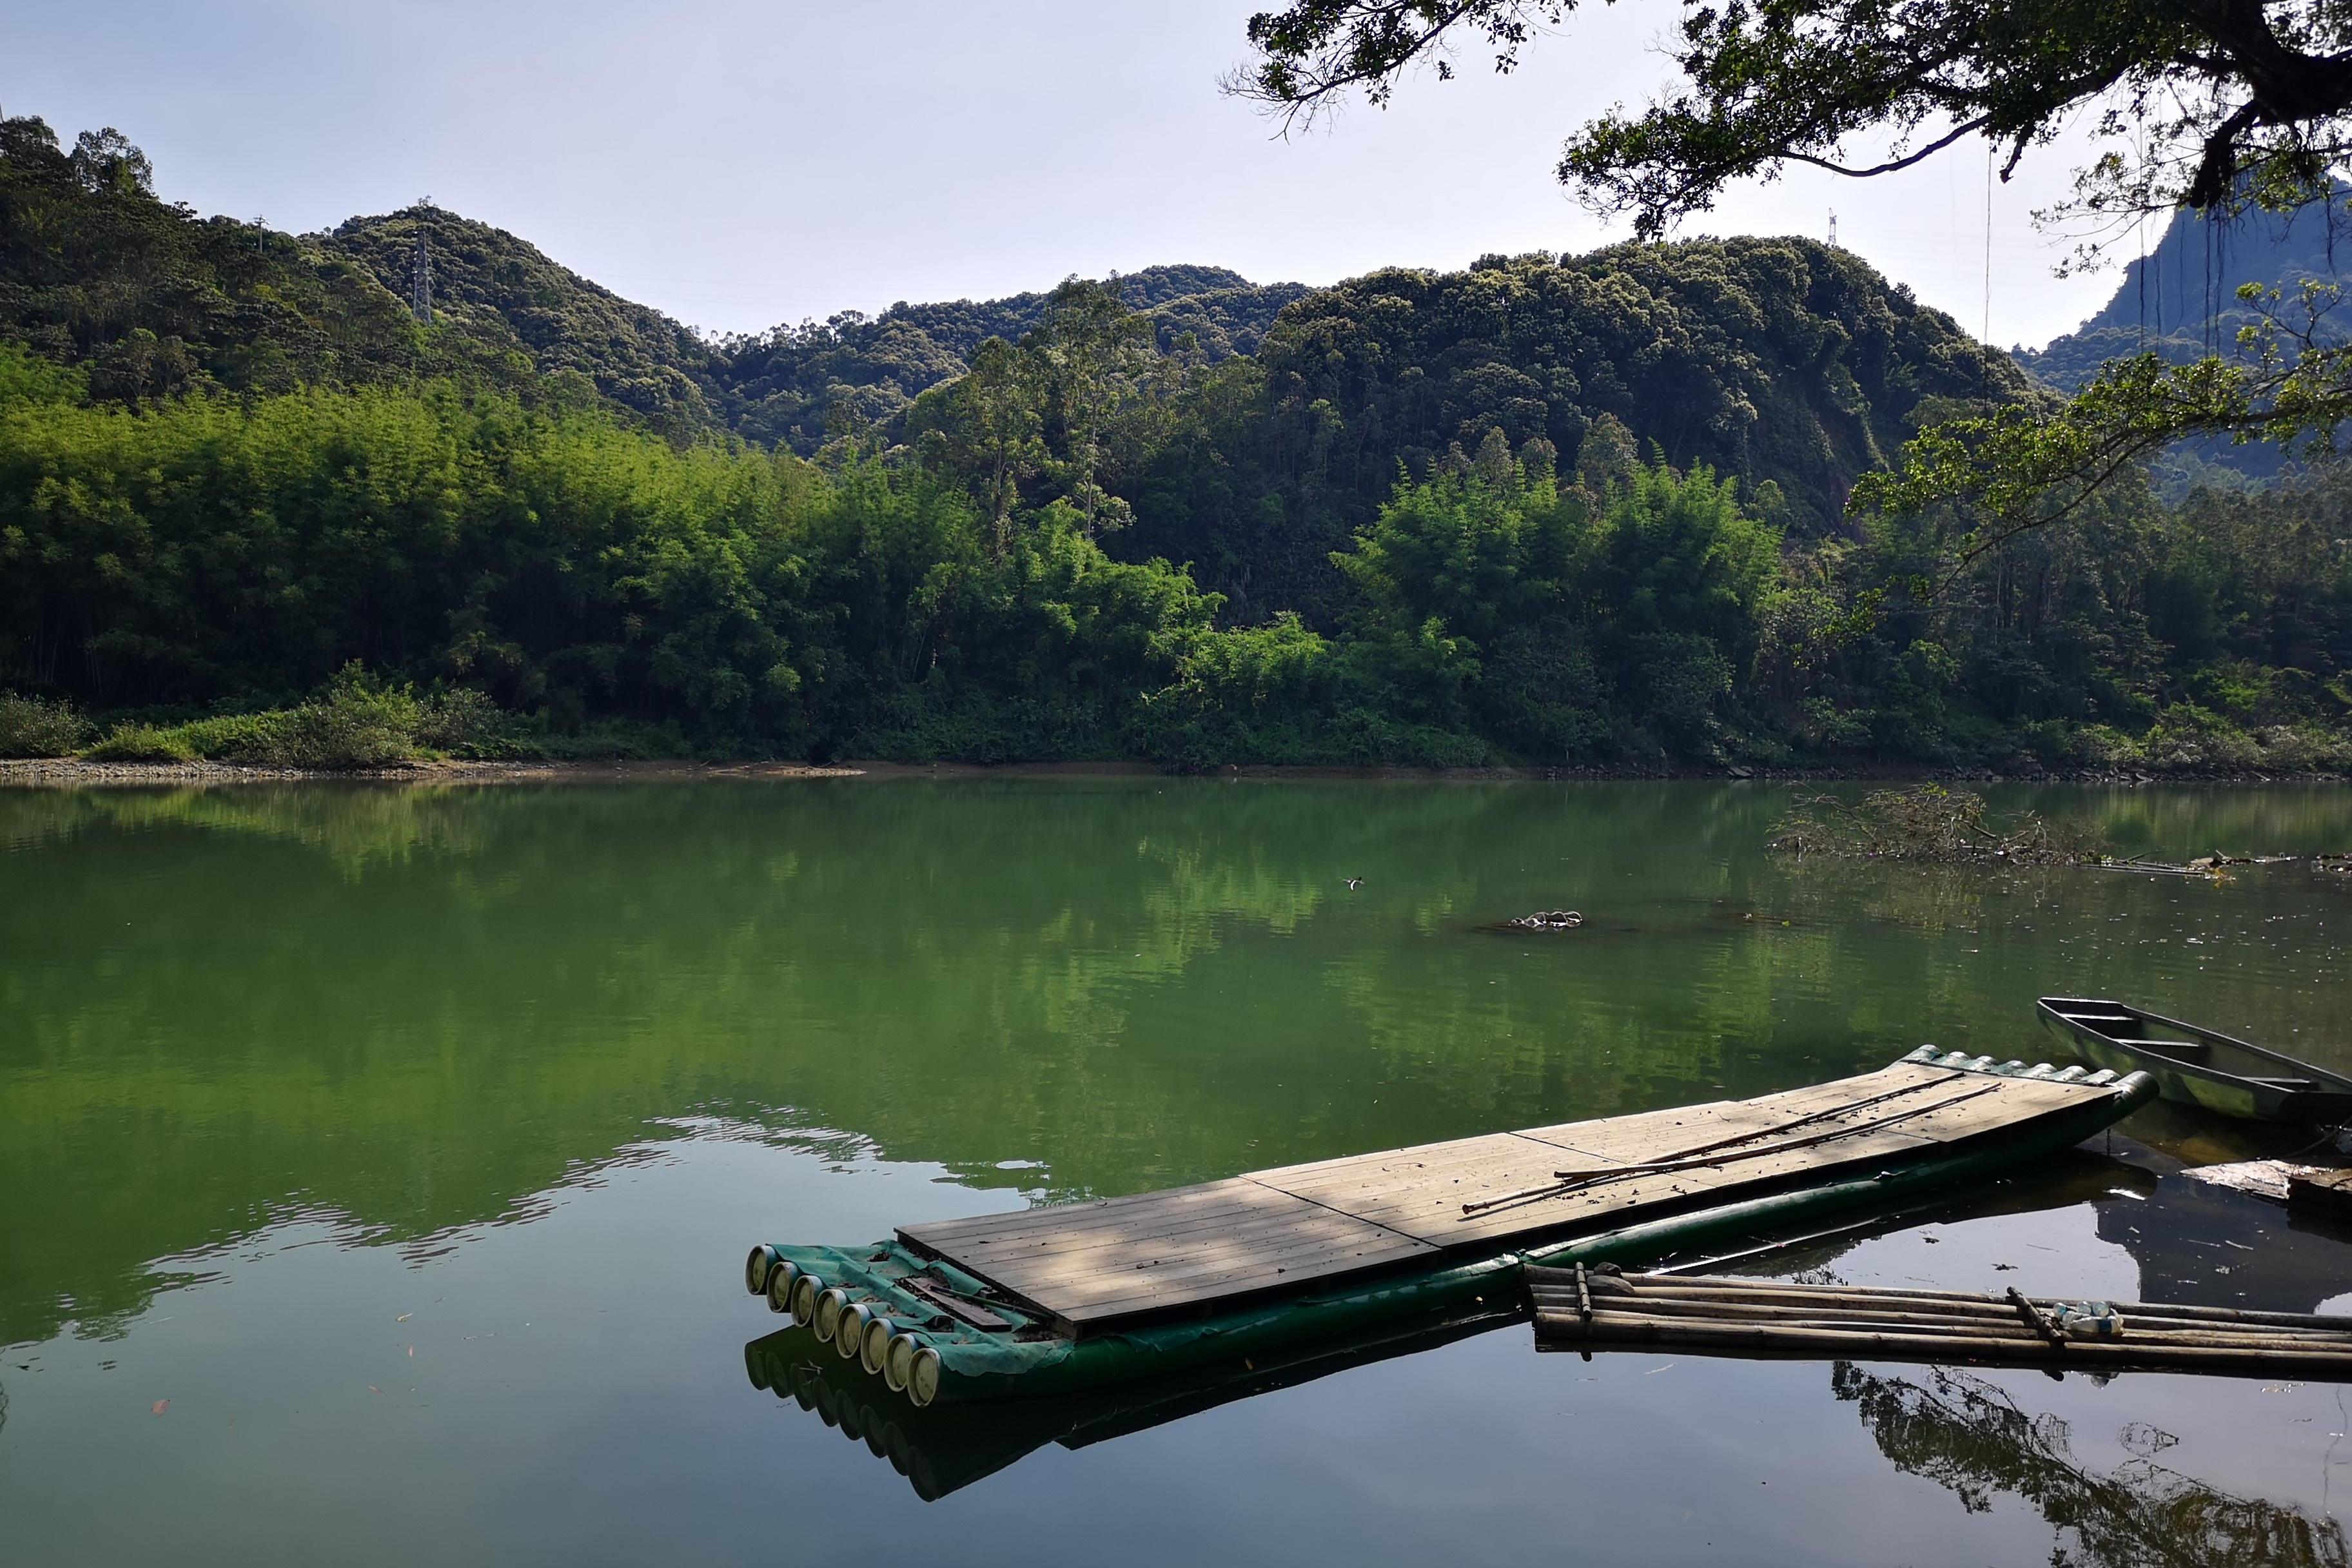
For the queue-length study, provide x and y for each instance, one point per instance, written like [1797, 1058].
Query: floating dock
[1064, 1296]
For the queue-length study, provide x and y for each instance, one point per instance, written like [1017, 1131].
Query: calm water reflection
[378, 1162]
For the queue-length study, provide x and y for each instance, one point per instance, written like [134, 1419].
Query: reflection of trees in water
[218, 1003]
[1967, 1434]
[356, 826]
[2123, 934]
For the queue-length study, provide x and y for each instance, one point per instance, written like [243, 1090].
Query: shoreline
[68, 773]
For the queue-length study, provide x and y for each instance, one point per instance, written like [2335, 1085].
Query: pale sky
[740, 164]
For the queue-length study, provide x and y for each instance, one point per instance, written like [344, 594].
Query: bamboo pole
[1570, 1181]
[1559, 1331]
[1729, 1284]
[2133, 1332]
[1579, 1310]
[1989, 1314]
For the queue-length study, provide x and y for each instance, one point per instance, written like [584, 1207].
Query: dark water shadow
[1967, 1435]
[946, 1447]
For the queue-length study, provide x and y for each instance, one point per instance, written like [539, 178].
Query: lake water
[376, 1164]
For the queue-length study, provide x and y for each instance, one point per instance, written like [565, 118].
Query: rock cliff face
[2181, 300]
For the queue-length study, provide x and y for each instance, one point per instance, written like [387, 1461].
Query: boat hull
[2223, 1093]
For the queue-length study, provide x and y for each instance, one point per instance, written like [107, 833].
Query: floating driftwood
[1928, 823]
[2257, 1178]
[1933, 824]
[1586, 1310]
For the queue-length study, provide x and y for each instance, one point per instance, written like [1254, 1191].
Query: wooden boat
[2196, 1065]
[1187, 1282]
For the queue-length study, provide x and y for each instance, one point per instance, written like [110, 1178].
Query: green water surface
[377, 1163]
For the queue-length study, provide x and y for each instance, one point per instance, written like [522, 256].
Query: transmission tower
[420, 282]
[1833, 228]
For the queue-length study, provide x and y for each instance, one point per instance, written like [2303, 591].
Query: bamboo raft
[1069, 1296]
[1578, 1309]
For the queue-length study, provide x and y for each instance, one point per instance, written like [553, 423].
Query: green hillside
[1581, 510]
[153, 301]
[506, 298]
[796, 386]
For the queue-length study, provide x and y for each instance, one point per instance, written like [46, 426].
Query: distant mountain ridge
[1766, 359]
[2181, 300]
[151, 301]
[510, 298]
[787, 385]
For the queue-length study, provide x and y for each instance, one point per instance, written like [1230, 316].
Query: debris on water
[160, 1406]
[2263, 1178]
[1926, 822]
[1548, 920]
[2328, 1192]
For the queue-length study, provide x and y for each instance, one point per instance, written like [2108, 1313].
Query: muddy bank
[72, 772]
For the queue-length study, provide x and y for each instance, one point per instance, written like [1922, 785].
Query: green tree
[2205, 104]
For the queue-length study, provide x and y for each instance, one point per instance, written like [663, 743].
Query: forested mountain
[1549, 510]
[154, 301]
[794, 385]
[1784, 365]
[506, 298]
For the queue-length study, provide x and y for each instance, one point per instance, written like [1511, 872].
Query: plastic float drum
[874, 1349]
[923, 1376]
[898, 1358]
[849, 1330]
[780, 1280]
[829, 1307]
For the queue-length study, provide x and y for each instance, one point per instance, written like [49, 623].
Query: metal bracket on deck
[955, 1306]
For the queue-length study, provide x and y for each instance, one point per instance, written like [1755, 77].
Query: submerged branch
[1929, 822]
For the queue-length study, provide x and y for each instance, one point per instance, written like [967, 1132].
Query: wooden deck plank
[1597, 1206]
[1161, 1251]
[1095, 1264]
[1405, 1180]
[1656, 1134]
[1079, 1251]
[1100, 1214]
[1188, 1284]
